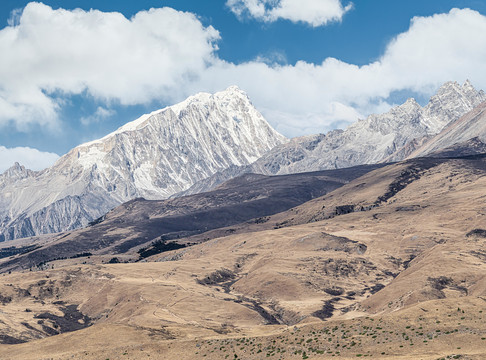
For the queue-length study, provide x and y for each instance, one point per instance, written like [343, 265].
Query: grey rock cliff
[469, 131]
[375, 139]
[155, 156]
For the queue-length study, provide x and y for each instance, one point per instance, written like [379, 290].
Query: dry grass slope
[391, 266]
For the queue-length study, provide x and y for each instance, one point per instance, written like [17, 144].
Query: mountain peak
[456, 99]
[410, 103]
[467, 85]
[17, 171]
[454, 89]
[16, 167]
[155, 156]
[448, 85]
[233, 90]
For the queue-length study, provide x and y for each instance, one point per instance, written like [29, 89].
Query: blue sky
[69, 76]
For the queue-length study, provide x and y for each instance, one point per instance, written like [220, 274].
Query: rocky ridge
[376, 138]
[155, 156]
[469, 130]
[388, 137]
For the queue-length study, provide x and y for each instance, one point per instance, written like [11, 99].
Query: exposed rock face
[375, 139]
[153, 157]
[388, 137]
[467, 133]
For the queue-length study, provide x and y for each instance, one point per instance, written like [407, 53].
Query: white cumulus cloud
[166, 55]
[304, 97]
[313, 12]
[49, 53]
[31, 158]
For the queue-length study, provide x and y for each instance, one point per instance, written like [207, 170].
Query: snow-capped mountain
[155, 156]
[392, 136]
[385, 137]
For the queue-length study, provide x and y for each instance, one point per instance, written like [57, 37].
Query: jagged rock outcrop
[469, 132]
[388, 137]
[155, 156]
[376, 138]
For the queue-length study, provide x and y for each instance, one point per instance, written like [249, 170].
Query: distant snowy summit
[155, 156]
